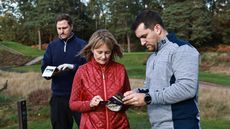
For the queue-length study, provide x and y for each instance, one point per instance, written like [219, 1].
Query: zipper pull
[103, 76]
[65, 42]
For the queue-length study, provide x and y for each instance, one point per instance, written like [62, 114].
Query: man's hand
[65, 67]
[133, 98]
[56, 72]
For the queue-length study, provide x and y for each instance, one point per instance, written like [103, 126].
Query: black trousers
[61, 115]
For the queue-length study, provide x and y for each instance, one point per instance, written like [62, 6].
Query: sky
[85, 1]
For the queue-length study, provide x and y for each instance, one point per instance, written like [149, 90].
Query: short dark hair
[149, 18]
[66, 17]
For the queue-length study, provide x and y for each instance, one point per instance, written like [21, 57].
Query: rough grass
[213, 102]
[22, 84]
[215, 62]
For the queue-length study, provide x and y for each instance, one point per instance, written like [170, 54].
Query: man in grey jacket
[171, 86]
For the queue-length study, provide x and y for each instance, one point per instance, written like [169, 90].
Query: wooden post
[39, 40]
[22, 114]
[128, 41]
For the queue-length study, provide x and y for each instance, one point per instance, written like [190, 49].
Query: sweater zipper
[65, 42]
[105, 94]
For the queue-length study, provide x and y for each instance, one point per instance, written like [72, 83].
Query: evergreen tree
[220, 10]
[190, 20]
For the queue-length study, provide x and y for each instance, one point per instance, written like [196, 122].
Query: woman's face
[102, 54]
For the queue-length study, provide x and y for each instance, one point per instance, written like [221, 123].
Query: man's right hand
[56, 72]
[134, 98]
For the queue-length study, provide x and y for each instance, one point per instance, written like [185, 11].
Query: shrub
[39, 97]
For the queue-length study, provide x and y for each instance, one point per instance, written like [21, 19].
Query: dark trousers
[61, 115]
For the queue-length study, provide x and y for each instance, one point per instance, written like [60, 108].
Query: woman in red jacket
[99, 85]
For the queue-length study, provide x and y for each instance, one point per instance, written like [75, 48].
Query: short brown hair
[66, 17]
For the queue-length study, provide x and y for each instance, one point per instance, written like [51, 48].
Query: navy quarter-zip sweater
[60, 52]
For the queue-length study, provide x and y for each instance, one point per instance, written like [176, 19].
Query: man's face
[148, 37]
[63, 29]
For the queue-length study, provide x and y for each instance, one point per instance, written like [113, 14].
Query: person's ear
[158, 29]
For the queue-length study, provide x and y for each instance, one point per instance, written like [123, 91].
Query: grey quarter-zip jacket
[172, 80]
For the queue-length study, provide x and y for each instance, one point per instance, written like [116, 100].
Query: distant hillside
[8, 58]
[18, 48]
[16, 54]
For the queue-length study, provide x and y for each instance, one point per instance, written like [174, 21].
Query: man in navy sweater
[63, 53]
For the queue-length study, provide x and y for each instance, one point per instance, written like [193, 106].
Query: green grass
[36, 124]
[31, 68]
[4, 99]
[20, 48]
[8, 115]
[215, 78]
[38, 117]
[40, 124]
[135, 63]
[215, 124]
[138, 119]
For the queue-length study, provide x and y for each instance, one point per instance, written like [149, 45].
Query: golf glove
[65, 67]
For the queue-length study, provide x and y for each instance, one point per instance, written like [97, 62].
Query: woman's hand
[95, 101]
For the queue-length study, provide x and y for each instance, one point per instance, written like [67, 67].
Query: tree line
[202, 22]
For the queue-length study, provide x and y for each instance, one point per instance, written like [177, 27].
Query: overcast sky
[85, 1]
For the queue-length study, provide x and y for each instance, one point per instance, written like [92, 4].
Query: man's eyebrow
[61, 27]
[143, 36]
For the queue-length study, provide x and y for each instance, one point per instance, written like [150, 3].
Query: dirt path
[208, 85]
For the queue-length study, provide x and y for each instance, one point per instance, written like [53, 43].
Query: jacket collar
[100, 66]
[67, 39]
[164, 41]
[172, 37]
